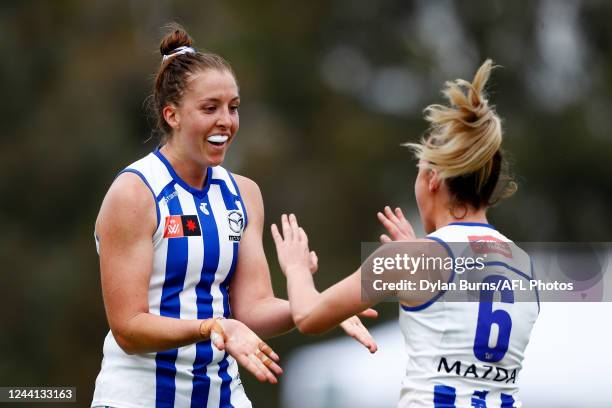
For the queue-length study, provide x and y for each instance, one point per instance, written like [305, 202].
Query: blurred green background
[329, 91]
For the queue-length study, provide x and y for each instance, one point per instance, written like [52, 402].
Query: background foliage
[329, 91]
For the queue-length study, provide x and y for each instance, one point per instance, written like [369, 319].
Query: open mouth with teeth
[217, 140]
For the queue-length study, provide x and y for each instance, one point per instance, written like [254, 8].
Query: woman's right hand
[397, 226]
[247, 348]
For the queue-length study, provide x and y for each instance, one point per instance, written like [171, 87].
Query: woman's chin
[215, 159]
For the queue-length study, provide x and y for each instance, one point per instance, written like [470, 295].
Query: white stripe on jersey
[130, 380]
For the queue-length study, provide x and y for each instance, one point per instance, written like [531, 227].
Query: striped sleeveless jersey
[464, 354]
[195, 249]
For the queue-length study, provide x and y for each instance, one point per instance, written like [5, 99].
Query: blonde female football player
[185, 280]
[461, 354]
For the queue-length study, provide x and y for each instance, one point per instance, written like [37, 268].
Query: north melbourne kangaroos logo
[236, 224]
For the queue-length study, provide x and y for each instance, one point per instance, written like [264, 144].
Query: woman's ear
[434, 181]
[171, 116]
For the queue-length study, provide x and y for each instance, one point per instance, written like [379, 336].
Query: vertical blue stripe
[444, 396]
[246, 216]
[479, 399]
[224, 287]
[507, 401]
[230, 204]
[536, 288]
[226, 379]
[204, 351]
[170, 306]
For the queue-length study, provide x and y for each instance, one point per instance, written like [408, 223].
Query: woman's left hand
[292, 246]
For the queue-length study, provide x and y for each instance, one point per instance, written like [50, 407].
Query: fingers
[388, 224]
[298, 233]
[217, 335]
[245, 361]
[278, 239]
[287, 230]
[262, 370]
[260, 365]
[396, 224]
[269, 363]
[291, 230]
[263, 359]
[303, 236]
[384, 238]
[400, 215]
[354, 328]
[363, 336]
[314, 262]
[391, 215]
[267, 350]
[217, 340]
[369, 313]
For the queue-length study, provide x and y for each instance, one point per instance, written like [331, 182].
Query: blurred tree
[329, 91]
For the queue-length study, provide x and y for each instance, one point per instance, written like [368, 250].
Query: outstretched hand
[397, 226]
[247, 348]
[355, 328]
[292, 246]
[294, 254]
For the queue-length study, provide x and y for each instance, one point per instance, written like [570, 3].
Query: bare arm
[316, 312]
[252, 298]
[125, 225]
[312, 311]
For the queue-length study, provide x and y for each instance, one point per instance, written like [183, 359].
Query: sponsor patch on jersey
[235, 219]
[488, 244]
[177, 226]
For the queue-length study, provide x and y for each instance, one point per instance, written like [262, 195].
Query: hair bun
[175, 37]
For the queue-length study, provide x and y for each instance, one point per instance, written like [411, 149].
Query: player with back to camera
[181, 254]
[460, 354]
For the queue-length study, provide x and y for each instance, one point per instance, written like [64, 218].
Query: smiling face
[206, 120]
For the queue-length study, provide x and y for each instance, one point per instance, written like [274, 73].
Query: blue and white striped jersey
[195, 249]
[469, 353]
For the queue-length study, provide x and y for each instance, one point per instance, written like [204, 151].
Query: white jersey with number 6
[464, 353]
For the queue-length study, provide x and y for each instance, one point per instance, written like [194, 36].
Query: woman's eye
[234, 108]
[209, 109]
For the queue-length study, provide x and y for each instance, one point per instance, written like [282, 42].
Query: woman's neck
[189, 171]
[470, 215]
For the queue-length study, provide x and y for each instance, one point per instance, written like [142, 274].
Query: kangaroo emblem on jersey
[236, 224]
[204, 209]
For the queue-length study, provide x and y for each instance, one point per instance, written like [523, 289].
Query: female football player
[461, 353]
[185, 280]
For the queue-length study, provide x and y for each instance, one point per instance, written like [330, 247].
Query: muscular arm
[251, 295]
[125, 225]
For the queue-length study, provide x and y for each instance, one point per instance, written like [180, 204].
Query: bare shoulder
[246, 185]
[251, 194]
[128, 205]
